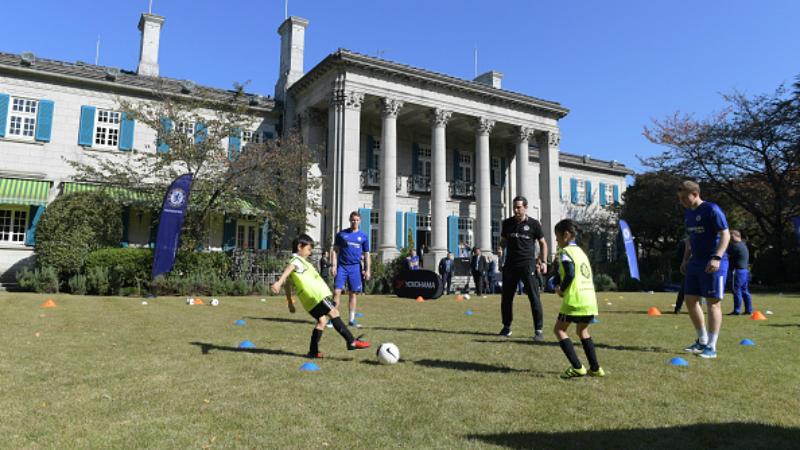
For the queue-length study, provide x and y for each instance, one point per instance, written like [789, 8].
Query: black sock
[588, 348]
[316, 335]
[341, 328]
[569, 350]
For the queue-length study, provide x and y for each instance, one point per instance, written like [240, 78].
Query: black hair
[522, 199]
[569, 226]
[302, 239]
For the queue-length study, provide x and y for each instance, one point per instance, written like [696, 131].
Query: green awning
[118, 193]
[14, 191]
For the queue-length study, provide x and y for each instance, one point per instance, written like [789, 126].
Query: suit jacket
[481, 264]
[446, 266]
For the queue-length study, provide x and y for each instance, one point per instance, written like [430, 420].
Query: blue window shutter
[166, 126]
[370, 154]
[268, 135]
[456, 172]
[4, 99]
[86, 133]
[588, 192]
[44, 120]
[573, 186]
[415, 159]
[616, 194]
[264, 244]
[126, 133]
[365, 226]
[602, 194]
[411, 229]
[200, 132]
[126, 218]
[560, 189]
[502, 172]
[399, 241]
[229, 233]
[234, 143]
[452, 234]
[35, 214]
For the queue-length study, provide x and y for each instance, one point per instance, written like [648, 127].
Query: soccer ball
[214, 302]
[466, 296]
[388, 353]
[190, 301]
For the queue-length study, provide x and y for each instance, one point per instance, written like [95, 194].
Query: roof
[114, 79]
[585, 162]
[343, 57]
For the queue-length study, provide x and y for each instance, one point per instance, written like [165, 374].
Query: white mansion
[428, 159]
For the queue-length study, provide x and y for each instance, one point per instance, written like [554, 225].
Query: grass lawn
[113, 373]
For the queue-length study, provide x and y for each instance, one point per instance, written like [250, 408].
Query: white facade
[451, 148]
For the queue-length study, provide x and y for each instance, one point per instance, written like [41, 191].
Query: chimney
[292, 32]
[150, 26]
[491, 78]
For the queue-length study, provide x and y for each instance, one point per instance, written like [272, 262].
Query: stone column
[551, 204]
[524, 181]
[439, 191]
[483, 194]
[388, 163]
[344, 121]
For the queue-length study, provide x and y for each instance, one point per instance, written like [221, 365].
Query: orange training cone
[197, 301]
[758, 316]
[51, 304]
[459, 298]
[653, 311]
[420, 299]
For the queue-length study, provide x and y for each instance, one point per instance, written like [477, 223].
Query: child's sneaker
[572, 372]
[597, 373]
[695, 348]
[329, 324]
[708, 353]
[358, 344]
[317, 355]
[355, 324]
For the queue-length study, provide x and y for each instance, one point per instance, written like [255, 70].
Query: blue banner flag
[796, 222]
[630, 249]
[173, 211]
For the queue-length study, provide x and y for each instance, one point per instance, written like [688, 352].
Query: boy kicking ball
[580, 303]
[314, 295]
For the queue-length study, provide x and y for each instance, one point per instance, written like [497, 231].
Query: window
[376, 155]
[465, 166]
[495, 233]
[423, 222]
[609, 193]
[252, 137]
[186, 129]
[22, 118]
[495, 172]
[246, 234]
[13, 223]
[374, 222]
[424, 158]
[465, 231]
[581, 187]
[106, 130]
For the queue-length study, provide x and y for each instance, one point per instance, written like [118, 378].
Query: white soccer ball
[388, 353]
[466, 296]
[190, 301]
[214, 302]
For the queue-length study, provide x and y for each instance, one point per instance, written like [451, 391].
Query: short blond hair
[689, 186]
[736, 234]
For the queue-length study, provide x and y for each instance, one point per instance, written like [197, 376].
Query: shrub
[44, 279]
[207, 263]
[241, 287]
[603, 282]
[127, 267]
[382, 275]
[97, 280]
[77, 284]
[74, 225]
[26, 279]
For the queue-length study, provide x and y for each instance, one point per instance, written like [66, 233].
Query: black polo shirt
[521, 240]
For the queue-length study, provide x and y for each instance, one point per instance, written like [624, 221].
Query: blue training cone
[247, 344]
[239, 322]
[680, 362]
[309, 367]
[359, 314]
[469, 312]
[594, 320]
[747, 342]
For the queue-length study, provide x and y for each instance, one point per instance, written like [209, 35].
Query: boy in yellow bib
[576, 287]
[314, 295]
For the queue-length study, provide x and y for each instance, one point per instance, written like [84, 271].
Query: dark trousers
[490, 277]
[512, 276]
[679, 299]
[478, 277]
[741, 291]
[447, 282]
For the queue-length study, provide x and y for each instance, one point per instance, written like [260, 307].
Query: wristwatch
[716, 258]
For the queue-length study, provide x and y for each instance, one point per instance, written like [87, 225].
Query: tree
[750, 153]
[652, 210]
[267, 179]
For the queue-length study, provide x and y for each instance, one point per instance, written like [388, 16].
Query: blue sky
[616, 64]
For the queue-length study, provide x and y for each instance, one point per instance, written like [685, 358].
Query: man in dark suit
[446, 268]
[478, 266]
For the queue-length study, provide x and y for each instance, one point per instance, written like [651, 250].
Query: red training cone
[653, 311]
[757, 316]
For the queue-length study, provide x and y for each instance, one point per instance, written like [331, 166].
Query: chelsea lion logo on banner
[176, 198]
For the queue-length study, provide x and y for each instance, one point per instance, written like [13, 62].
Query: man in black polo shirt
[519, 235]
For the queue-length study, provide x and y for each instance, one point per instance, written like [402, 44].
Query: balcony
[462, 189]
[371, 179]
[419, 184]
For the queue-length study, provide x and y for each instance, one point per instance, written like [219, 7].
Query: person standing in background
[740, 259]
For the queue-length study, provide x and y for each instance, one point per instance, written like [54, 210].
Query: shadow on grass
[722, 435]
[783, 325]
[280, 319]
[206, 348]
[467, 366]
[627, 348]
[435, 330]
